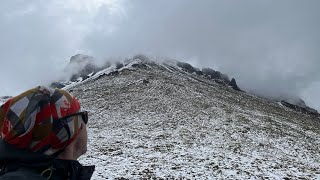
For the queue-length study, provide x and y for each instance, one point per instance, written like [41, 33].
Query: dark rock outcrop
[81, 66]
[311, 109]
[80, 58]
[119, 65]
[212, 74]
[145, 81]
[188, 68]
[89, 68]
[142, 66]
[299, 109]
[113, 73]
[234, 85]
[57, 85]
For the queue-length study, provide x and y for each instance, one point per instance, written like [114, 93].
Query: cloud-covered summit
[271, 47]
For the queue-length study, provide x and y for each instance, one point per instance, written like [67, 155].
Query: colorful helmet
[34, 121]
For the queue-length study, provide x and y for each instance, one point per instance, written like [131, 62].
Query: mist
[270, 47]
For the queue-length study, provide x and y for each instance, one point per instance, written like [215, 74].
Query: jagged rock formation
[188, 68]
[82, 68]
[79, 68]
[234, 85]
[212, 74]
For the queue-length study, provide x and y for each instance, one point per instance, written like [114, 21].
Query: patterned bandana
[31, 120]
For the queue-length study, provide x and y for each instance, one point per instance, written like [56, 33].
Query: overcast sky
[270, 47]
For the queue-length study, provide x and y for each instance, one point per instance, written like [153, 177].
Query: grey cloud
[271, 47]
[37, 39]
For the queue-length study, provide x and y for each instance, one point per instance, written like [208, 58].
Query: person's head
[46, 121]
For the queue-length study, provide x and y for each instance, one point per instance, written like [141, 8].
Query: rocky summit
[151, 120]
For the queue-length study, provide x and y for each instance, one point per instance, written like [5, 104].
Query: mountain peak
[177, 124]
[81, 58]
[82, 68]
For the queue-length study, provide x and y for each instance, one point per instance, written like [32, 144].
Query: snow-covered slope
[81, 67]
[150, 120]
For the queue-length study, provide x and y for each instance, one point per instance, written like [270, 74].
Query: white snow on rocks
[161, 124]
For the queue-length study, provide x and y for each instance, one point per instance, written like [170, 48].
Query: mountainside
[158, 120]
[82, 67]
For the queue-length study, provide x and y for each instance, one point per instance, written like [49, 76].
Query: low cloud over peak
[271, 47]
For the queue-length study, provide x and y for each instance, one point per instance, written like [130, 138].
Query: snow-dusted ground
[155, 122]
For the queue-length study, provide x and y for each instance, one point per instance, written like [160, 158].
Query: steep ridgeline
[151, 120]
[83, 67]
[211, 74]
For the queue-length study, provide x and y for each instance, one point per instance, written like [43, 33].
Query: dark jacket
[18, 164]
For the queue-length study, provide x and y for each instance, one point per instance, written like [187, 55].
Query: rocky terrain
[82, 67]
[169, 120]
[153, 120]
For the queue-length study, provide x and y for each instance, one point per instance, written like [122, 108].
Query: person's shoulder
[21, 175]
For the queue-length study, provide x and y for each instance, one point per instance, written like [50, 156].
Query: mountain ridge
[89, 69]
[150, 121]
